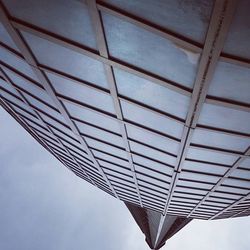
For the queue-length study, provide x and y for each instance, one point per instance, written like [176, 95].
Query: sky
[43, 205]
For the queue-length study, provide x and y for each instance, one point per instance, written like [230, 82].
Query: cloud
[45, 206]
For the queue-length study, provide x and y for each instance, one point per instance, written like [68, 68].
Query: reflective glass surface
[81, 93]
[231, 81]
[69, 19]
[153, 139]
[227, 118]
[237, 42]
[5, 38]
[151, 94]
[151, 120]
[220, 140]
[139, 47]
[92, 117]
[17, 63]
[66, 60]
[176, 16]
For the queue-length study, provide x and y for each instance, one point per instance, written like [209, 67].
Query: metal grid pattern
[147, 108]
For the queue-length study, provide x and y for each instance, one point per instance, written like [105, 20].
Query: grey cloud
[45, 206]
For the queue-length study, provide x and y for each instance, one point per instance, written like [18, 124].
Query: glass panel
[82, 93]
[176, 16]
[209, 156]
[83, 160]
[42, 106]
[121, 188]
[68, 133]
[152, 192]
[48, 140]
[226, 118]
[184, 200]
[233, 190]
[110, 172]
[192, 196]
[228, 196]
[25, 114]
[79, 151]
[198, 185]
[231, 82]
[237, 183]
[69, 19]
[93, 117]
[152, 164]
[199, 177]
[130, 197]
[64, 156]
[153, 202]
[152, 173]
[220, 140]
[100, 134]
[67, 60]
[9, 88]
[152, 139]
[16, 101]
[154, 154]
[151, 94]
[53, 122]
[21, 112]
[30, 87]
[210, 204]
[44, 134]
[114, 167]
[17, 63]
[6, 85]
[245, 163]
[191, 191]
[110, 158]
[6, 39]
[122, 192]
[122, 182]
[237, 42]
[37, 124]
[208, 208]
[205, 168]
[243, 174]
[151, 183]
[57, 147]
[106, 148]
[140, 47]
[176, 207]
[65, 137]
[151, 120]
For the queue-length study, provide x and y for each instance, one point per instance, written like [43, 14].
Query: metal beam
[217, 31]
[218, 28]
[103, 49]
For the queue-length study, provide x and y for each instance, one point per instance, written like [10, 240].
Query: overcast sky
[45, 206]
